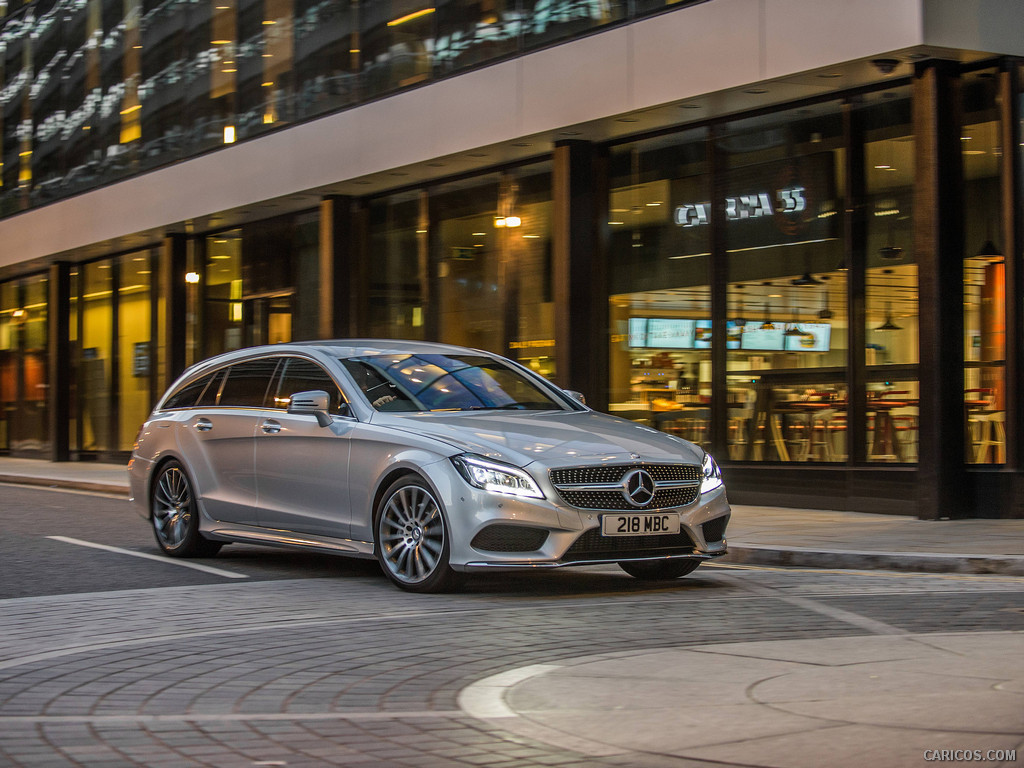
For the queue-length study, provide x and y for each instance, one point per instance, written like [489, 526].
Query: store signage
[749, 206]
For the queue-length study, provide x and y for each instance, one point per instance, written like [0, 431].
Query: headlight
[496, 478]
[711, 475]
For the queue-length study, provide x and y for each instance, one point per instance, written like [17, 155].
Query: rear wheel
[175, 515]
[411, 538]
[660, 570]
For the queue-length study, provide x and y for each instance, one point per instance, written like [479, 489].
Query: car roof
[367, 347]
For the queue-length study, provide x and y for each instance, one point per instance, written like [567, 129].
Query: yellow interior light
[410, 16]
[229, 134]
[513, 221]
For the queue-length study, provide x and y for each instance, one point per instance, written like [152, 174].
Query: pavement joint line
[147, 556]
[186, 717]
[873, 626]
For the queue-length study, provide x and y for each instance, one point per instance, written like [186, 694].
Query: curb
[77, 485]
[923, 562]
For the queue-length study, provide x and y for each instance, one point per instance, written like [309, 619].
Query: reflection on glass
[135, 344]
[222, 293]
[112, 89]
[984, 274]
[398, 241]
[891, 288]
[94, 372]
[660, 313]
[787, 329]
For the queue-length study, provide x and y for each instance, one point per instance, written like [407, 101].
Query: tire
[660, 570]
[174, 515]
[411, 538]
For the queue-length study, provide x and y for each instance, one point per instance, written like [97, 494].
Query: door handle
[203, 425]
[270, 427]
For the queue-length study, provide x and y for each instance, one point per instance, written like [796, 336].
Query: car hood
[551, 438]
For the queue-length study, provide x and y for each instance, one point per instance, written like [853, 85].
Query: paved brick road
[350, 672]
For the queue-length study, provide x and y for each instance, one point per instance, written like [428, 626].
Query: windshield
[446, 383]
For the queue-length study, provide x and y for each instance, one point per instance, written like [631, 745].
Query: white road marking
[485, 698]
[147, 556]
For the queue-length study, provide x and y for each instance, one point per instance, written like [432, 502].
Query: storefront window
[24, 358]
[984, 273]
[787, 330]
[398, 242]
[135, 344]
[95, 375]
[222, 293]
[660, 307]
[891, 287]
[493, 265]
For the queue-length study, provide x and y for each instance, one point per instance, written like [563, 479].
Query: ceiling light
[410, 16]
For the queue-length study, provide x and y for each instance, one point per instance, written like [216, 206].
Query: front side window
[446, 383]
[304, 376]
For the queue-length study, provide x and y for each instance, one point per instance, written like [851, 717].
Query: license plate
[636, 524]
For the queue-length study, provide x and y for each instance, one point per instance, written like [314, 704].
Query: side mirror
[578, 396]
[315, 402]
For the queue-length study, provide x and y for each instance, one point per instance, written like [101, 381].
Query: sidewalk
[757, 535]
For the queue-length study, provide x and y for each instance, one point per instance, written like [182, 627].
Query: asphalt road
[108, 659]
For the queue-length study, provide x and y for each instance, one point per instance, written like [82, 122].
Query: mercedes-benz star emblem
[638, 487]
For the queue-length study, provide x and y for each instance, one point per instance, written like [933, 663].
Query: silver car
[437, 460]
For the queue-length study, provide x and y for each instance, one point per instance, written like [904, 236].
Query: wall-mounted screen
[661, 333]
[815, 337]
[756, 338]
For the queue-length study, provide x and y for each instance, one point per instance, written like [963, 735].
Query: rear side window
[248, 382]
[188, 395]
[301, 375]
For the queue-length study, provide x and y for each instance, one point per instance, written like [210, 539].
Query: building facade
[788, 231]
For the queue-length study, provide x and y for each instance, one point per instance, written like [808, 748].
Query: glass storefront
[787, 332]
[259, 284]
[114, 347]
[660, 307]
[398, 269]
[24, 360]
[984, 273]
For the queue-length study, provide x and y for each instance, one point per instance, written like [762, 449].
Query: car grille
[509, 538]
[593, 546]
[683, 481]
[714, 530]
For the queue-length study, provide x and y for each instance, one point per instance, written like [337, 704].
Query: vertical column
[856, 224]
[343, 291]
[172, 308]
[579, 274]
[59, 394]
[1013, 239]
[939, 248]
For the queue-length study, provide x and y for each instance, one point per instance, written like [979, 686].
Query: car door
[217, 442]
[301, 467]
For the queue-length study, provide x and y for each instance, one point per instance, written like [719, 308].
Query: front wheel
[660, 570]
[411, 538]
[174, 515]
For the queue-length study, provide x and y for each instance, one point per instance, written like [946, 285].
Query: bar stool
[991, 434]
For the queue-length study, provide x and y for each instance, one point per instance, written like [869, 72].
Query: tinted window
[186, 396]
[248, 382]
[302, 376]
[209, 397]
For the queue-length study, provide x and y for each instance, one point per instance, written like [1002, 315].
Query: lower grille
[714, 530]
[593, 546]
[509, 538]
